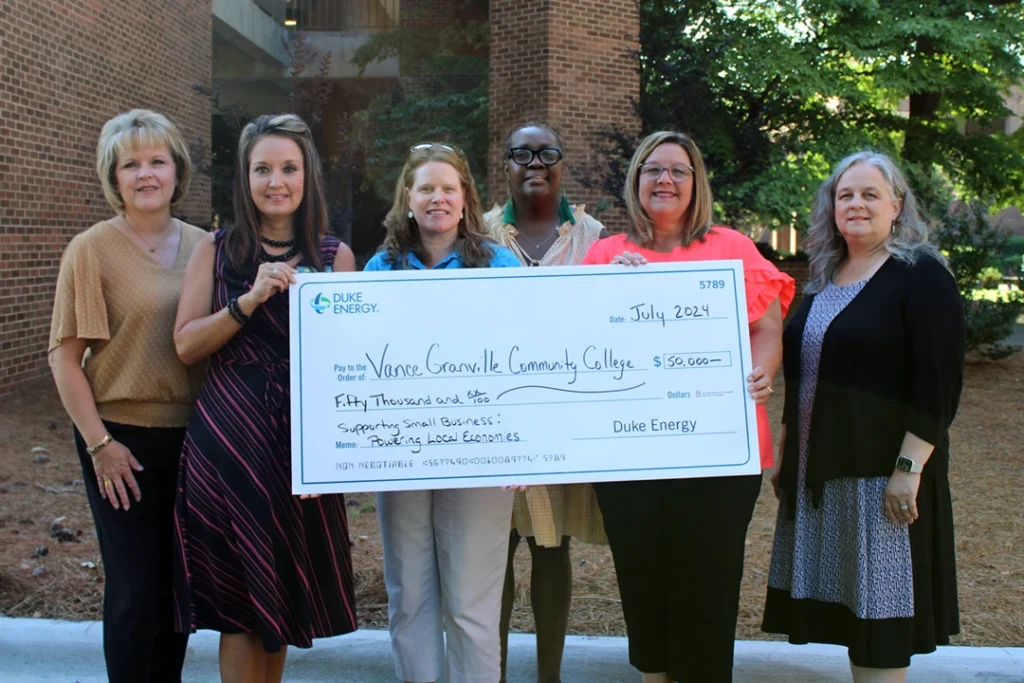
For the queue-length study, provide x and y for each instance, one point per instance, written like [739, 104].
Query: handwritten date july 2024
[645, 313]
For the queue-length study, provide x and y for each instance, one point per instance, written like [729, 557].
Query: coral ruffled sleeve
[764, 282]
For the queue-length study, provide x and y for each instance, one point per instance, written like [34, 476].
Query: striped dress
[251, 557]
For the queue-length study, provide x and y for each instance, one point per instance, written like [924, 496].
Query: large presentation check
[486, 377]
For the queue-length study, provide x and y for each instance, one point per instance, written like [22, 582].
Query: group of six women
[169, 347]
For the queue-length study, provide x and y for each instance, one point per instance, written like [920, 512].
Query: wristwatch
[905, 464]
[92, 450]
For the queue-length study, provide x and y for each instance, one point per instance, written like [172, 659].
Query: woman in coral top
[678, 544]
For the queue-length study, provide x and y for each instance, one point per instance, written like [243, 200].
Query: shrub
[972, 242]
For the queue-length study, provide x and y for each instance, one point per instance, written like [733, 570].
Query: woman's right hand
[113, 465]
[271, 278]
[629, 258]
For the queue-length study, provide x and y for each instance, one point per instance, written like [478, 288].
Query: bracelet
[92, 450]
[235, 311]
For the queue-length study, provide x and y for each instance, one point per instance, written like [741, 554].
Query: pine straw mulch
[987, 481]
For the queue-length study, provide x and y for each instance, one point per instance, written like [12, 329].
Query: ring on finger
[904, 507]
[274, 271]
[771, 391]
[108, 482]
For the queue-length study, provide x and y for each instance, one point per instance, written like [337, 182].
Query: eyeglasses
[429, 145]
[524, 156]
[677, 173]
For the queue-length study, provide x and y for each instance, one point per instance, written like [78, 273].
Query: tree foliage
[973, 244]
[441, 97]
[775, 92]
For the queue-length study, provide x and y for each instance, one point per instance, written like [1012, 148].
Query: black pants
[678, 547]
[550, 595]
[139, 642]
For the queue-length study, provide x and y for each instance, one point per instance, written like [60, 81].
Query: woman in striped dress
[264, 568]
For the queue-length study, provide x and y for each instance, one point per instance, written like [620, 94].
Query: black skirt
[886, 643]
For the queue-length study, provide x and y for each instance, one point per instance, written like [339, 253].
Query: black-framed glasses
[549, 156]
[442, 145]
[677, 173]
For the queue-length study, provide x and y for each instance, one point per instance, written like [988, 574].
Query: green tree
[776, 92]
[441, 96]
[972, 242]
[953, 61]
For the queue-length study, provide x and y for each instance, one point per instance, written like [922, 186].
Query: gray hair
[826, 246]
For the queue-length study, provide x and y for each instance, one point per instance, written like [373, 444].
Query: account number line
[454, 443]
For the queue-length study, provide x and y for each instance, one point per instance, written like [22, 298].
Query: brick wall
[567, 64]
[66, 66]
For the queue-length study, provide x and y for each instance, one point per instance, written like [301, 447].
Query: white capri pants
[444, 566]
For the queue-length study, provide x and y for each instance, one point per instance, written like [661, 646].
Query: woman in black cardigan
[873, 361]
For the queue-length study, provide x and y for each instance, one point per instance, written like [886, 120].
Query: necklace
[536, 246]
[865, 270]
[152, 249]
[278, 258]
[277, 243]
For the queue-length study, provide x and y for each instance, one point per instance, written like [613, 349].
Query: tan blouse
[113, 294]
[574, 237]
[547, 513]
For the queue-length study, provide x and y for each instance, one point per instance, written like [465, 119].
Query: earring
[892, 228]
[410, 214]
[461, 215]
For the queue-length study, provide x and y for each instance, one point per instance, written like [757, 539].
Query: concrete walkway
[41, 651]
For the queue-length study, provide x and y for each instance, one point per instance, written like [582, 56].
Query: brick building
[567, 64]
[68, 66]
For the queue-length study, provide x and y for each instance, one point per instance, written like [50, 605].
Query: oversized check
[486, 377]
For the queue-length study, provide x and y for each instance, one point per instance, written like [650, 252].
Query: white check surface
[411, 379]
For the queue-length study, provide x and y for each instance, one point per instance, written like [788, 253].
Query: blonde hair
[133, 130]
[403, 234]
[696, 222]
[826, 246]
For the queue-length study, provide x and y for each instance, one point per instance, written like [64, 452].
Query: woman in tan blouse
[113, 358]
[542, 229]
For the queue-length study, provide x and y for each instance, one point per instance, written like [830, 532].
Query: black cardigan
[891, 363]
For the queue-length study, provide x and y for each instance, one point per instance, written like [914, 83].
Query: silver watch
[905, 464]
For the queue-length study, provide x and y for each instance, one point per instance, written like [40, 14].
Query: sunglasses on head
[442, 145]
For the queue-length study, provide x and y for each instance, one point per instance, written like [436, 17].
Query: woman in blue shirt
[444, 551]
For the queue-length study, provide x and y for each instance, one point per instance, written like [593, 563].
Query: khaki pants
[444, 566]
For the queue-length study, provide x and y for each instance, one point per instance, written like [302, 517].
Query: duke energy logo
[320, 303]
[342, 303]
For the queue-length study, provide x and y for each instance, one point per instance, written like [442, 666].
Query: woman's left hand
[309, 496]
[514, 487]
[629, 258]
[760, 386]
[900, 503]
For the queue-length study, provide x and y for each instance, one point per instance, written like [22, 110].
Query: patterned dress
[253, 558]
[842, 573]
[823, 553]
